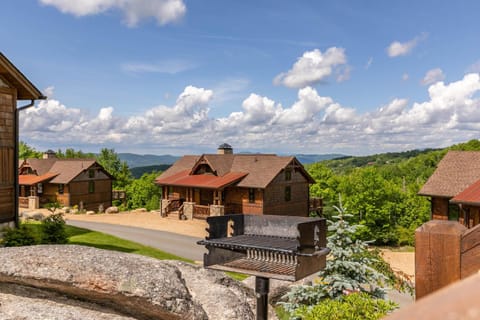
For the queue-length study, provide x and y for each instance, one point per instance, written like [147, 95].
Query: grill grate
[278, 247]
[247, 241]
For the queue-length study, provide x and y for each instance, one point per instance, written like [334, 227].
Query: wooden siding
[275, 202]
[439, 208]
[91, 201]
[7, 154]
[237, 199]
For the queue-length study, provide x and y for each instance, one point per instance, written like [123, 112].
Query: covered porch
[31, 190]
[189, 202]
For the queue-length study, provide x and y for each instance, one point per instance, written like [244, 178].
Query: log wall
[7, 154]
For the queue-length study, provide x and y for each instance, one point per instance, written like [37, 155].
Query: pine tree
[347, 271]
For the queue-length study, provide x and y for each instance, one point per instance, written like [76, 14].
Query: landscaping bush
[356, 306]
[53, 230]
[17, 237]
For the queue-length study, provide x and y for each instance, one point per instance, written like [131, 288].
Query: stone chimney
[50, 154]
[224, 148]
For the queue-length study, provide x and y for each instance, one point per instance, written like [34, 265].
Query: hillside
[381, 191]
[137, 172]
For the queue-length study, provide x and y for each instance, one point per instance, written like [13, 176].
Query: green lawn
[101, 240]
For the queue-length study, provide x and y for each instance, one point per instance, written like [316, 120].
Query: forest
[380, 191]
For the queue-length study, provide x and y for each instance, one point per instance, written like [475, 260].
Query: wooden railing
[23, 202]
[445, 252]
[470, 252]
[201, 212]
[173, 205]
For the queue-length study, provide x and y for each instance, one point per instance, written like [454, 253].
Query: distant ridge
[312, 158]
[143, 160]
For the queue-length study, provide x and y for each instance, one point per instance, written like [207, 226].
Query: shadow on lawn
[75, 231]
[104, 246]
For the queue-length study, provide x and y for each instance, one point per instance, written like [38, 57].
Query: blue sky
[173, 76]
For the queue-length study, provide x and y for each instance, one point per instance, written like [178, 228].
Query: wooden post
[437, 255]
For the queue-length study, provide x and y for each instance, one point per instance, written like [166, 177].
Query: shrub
[17, 237]
[356, 306]
[53, 230]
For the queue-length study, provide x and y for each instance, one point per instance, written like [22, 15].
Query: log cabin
[14, 86]
[454, 188]
[70, 182]
[225, 183]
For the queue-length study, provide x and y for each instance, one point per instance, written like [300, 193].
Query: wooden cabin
[80, 182]
[14, 86]
[454, 188]
[226, 183]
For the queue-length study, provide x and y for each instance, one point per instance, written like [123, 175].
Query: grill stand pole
[262, 286]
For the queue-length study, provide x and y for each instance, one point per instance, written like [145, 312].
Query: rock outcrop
[77, 281]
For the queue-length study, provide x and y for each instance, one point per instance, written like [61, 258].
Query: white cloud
[432, 76]
[163, 11]
[312, 67]
[405, 77]
[397, 48]
[313, 123]
[48, 91]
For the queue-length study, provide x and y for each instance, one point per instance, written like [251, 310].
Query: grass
[101, 240]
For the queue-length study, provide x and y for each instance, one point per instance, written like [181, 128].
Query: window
[288, 193]
[91, 186]
[91, 173]
[251, 195]
[453, 212]
[40, 188]
[60, 188]
[288, 174]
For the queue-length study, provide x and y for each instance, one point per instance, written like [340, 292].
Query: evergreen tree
[348, 268]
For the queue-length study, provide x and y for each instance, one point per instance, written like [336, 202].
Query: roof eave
[32, 93]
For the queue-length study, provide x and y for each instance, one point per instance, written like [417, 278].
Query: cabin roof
[31, 179]
[455, 172]
[248, 170]
[470, 195]
[65, 170]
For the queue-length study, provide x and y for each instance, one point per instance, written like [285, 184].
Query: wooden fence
[445, 252]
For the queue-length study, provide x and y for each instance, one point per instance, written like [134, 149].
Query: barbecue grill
[278, 247]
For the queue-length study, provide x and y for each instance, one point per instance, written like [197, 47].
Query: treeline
[381, 190]
[141, 192]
